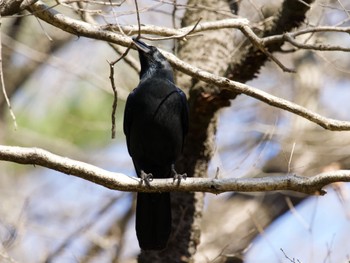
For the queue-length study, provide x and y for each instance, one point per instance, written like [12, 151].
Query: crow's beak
[141, 45]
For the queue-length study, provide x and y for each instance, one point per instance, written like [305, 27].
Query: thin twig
[291, 157]
[115, 98]
[181, 36]
[293, 260]
[320, 47]
[115, 91]
[138, 20]
[198, 6]
[107, 3]
[13, 116]
[273, 39]
[111, 75]
[118, 49]
[173, 14]
[131, 61]
[173, 20]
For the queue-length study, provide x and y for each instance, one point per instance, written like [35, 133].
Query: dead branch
[94, 31]
[182, 36]
[320, 47]
[177, 33]
[319, 29]
[122, 182]
[224, 83]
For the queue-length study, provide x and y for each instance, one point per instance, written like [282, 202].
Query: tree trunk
[212, 53]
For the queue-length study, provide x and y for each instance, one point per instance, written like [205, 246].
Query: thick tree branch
[74, 26]
[224, 83]
[88, 30]
[181, 32]
[122, 182]
[110, 32]
[94, 31]
[11, 7]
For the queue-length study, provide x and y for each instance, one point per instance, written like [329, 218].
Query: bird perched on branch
[155, 125]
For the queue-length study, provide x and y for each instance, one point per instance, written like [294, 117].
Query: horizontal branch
[74, 26]
[95, 31]
[320, 47]
[167, 32]
[224, 83]
[122, 182]
[319, 29]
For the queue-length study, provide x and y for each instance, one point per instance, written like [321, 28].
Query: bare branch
[85, 29]
[321, 47]
[181, 36]
[138, 19]
[115, 96]
[74, 26]
[94, 31]
[122, 182]
[224, 83]
[131, 61]
[319, 29]
[175, 33]
[248, 32]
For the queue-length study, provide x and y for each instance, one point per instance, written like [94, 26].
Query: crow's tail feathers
[153, 220]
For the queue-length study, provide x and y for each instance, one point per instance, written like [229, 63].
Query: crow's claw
[180, 176]
[176, 176]
[146, 178]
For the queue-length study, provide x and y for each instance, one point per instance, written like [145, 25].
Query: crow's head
[151, 59]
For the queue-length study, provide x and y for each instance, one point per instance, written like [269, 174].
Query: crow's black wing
[128, 117]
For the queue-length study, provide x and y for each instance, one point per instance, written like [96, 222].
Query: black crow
[155, 125]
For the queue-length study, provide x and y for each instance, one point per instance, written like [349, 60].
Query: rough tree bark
[213, 52]
[245, 211]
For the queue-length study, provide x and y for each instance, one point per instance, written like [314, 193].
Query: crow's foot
[177, 176]
[146, 178]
